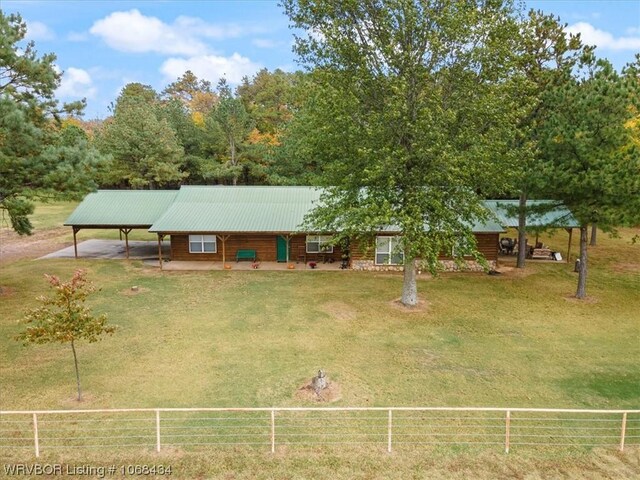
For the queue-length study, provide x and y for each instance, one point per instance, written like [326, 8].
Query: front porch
[199, 265]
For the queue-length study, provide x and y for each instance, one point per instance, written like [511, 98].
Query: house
[223, 223]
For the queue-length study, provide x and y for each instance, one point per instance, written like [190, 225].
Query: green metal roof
[237, 209]
[121, 208]
[249, 209]
[245, 209]
[557, 216]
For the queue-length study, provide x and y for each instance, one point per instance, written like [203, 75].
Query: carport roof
[542, 213]
[121, 208]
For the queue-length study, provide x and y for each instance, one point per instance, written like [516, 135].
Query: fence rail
[385, 427]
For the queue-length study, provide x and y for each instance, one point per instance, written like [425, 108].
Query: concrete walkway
[201, 265]
[114, 249]
[148, 251]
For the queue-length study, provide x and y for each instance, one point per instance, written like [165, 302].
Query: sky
[103, 45]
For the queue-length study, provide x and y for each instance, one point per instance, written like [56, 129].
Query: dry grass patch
[332, 393]
[588, 299]
[339, 310]
[422, 306]
[626, 267]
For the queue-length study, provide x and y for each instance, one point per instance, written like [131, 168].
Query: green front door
[281, 249]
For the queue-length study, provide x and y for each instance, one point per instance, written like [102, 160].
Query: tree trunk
[409, 285]
[75, 361]
[594, 230]
[582, 270]
[522, 230]
[232, 148]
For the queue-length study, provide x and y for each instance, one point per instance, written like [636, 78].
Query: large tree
[145, 149]
[229, 126]
[195, 94]
[588, 157]
[35, 160]
[413, 118]
[548, 56]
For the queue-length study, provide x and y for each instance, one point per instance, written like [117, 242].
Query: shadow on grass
[611, 385]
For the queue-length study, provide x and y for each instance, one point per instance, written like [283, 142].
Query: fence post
[157, 430]
[273, 431]
[624, 429]
[36, 440]
[507, 432]
[389, 429]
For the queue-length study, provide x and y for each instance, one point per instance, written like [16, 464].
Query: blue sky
[103, 45]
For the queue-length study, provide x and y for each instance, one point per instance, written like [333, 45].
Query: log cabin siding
[265, 246]
[487, 244]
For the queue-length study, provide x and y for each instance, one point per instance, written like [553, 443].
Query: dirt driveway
[16, 247]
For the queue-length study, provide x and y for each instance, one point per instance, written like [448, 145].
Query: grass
[253, 338]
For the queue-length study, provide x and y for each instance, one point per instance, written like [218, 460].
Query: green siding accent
[121, 208]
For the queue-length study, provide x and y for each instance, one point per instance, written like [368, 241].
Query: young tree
[30, 127]
[64, 317]
[413, 119]
[589, 160]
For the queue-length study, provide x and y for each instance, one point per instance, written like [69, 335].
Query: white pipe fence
[385, 427]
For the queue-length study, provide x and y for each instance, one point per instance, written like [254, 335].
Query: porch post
[569, 246]
[126, 232]
[288, 239]
[75, 242]
[160, 249]
[224, 239]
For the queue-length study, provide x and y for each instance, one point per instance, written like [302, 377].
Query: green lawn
[252, 338]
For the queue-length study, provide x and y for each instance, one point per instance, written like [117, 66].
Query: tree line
[409, 113]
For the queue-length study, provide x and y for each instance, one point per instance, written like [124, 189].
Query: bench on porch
[246, 255]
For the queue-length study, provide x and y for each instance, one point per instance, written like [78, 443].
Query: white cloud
[132, 31]
[39, 31]
[200, 28]
[593, 36]
[633, 31]
[76, 83]
[211, 67]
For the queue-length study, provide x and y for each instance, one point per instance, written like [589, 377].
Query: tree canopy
[38, 157]
[145, 149]
[589, 160]
[411, 117]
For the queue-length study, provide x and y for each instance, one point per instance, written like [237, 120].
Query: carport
[541, 215]
[124, 210]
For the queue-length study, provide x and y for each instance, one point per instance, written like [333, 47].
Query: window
[202, 244]
[389, 251]
[319, 244]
